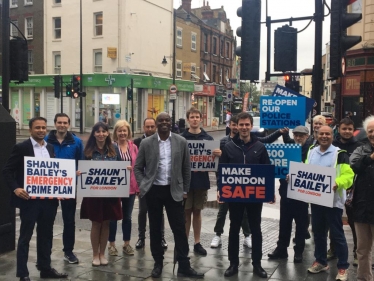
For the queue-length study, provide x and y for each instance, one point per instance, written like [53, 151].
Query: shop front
[203, 100]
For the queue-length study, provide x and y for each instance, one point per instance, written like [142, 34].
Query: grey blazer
[147, 163]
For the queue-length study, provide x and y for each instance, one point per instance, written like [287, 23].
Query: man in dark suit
[163, 173]
[42, 212]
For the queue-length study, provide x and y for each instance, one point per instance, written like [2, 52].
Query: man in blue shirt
[66, 146]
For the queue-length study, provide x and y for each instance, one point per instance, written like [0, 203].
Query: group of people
[160, 173]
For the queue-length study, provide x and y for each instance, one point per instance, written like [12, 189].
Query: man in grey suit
[163, 173]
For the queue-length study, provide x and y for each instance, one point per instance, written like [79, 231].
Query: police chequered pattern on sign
[282, 145]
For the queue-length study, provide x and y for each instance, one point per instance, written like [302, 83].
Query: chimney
[186, 5]
[207, 13]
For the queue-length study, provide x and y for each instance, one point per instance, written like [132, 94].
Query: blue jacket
[70, 148]
[199, 180]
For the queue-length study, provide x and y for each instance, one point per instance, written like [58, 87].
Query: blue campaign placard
[279, 112]
[280, 156]
[281, 91]
[246, 183]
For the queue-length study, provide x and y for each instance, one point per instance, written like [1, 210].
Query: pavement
[139, 266]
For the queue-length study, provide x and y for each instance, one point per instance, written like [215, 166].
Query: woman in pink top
[128, 150]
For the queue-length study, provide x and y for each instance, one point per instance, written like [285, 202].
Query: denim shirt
[97, 156]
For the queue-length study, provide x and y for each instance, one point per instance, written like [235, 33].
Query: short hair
[149, 118]
[61, 115]
[366, 122]
[320, 117]
[347, 121]
[244, 115]
[32, 120]
[193, 110]
[234, 119]
[119, 124]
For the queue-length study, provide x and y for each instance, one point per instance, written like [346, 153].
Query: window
[205, 38]
[57, 62]
[13, 29]
[228, 50]
[98, 24]
[214, 48]
[214, 73]
[179, 68]
[30, 60]
[98, 60]
[193, 67]
[28, 2]
[179, 36]
[14, 4]
[57, 1]
[57, 28]
[205, 67]
[29, 27]
[227, 75]
[221, 49]
[220, 75]
[193, 41]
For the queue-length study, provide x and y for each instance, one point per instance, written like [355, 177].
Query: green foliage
[254, 93]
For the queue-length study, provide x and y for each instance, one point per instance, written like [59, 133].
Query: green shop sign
[114, 80]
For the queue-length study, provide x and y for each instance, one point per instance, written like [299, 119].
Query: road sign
[229, 95]
[229, 85]
[173, 96]
[173, 89]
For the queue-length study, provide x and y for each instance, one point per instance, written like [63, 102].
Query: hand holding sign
[21, 193]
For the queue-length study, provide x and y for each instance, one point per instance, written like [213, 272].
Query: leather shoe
[298, 258]
[25, 279]
[232, 270]
[278, 254]
[259, 271]
[157, 270]
[52, 273]
[189, 272]
[140, 244]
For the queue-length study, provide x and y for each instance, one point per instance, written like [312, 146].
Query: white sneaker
[248, 241]
[216, 242]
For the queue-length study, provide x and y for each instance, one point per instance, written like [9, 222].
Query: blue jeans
[323, 219]
[127, 207]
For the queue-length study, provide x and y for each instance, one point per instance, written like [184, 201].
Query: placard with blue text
[103, 178]
[280, 91]
[201, 155]
[49, 178]
[311, 184]
[246, 183]
[279, 112]
[280, 156]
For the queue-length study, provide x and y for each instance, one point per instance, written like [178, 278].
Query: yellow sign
[112, 52]
[187, 67]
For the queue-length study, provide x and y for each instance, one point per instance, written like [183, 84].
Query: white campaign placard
[201, 155]
[103, 178]
[49, 177]
[311, 184]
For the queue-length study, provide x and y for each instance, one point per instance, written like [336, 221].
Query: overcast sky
[278, 9]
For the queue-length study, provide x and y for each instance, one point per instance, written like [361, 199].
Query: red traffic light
[286, 78]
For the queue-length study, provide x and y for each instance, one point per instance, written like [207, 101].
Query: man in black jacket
[345, 140]
[288, 206]
[245, 148]
[39, 211]
[197, 195]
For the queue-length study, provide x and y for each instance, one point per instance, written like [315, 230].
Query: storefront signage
[112, 52]
[187, 67]
[351, 86]
[208, 90]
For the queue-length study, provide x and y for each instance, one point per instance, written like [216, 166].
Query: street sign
[229, 95]
[229, 85]
[173, 96]
[173, 89]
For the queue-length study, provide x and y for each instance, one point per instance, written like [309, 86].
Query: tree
[250, 88]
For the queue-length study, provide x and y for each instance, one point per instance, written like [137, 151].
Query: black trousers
[68, 208]
[142, 219]
[292, 210]
[43, 213]
[254, 211]
[158, 197]
[221, 218]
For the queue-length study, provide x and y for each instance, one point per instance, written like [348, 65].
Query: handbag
[349, 200]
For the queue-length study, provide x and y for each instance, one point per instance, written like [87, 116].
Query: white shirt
[163, 175]
[40, 151]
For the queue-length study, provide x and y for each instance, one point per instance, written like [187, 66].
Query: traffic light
[292, 83]
[129, 93]
[285, 49]
[79, 95]
[68, 91]
[76, 83]
[57, 85]
[249, 31]
[339, 41]
[18, 60]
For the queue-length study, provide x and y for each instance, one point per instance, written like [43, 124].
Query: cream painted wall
[141, 30]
